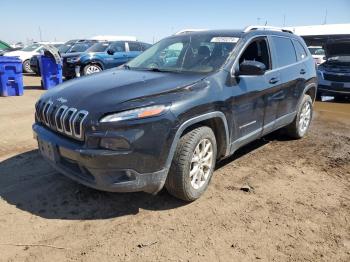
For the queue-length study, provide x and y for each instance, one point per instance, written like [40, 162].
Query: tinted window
[285, 52]
[299, 49]
[99, 47]
[80, 47]
[134, 47]
[118, 46]
[316, 51]
[258, 50]
[145, 46]
[31, 48]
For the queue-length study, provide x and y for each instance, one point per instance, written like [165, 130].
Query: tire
[299, 127]
[91, 69]
[26, 67]
[180, 183]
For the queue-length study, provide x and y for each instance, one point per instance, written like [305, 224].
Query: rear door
[292, 73]
[135, 49]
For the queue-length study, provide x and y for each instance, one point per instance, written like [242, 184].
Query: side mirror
[250, 67]
[110, 51]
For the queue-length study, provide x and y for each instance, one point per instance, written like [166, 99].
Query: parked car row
[72, 46]
[82, 56]
[5, 47]
[101, 56]
[26, 53]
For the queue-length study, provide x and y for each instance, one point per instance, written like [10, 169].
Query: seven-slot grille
[63, 119]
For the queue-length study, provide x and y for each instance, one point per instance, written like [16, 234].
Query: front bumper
[331, 88]
[69, 70]
[97, 168]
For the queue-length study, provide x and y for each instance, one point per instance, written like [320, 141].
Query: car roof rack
[262, 27]
[184, 31]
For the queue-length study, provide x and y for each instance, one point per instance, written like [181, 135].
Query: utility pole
[325, 17]
[40, 34]
[284, 20]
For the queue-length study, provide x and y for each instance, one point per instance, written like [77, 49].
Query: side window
[145, 46]
[134, 46]
[258, 50]
[285, 51]
[299, 49]
[118, 46]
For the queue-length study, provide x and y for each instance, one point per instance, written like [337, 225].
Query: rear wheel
[299, 127]
[91, 69]
[193, 164]
[26, 67]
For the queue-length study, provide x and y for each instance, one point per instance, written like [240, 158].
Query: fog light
[113, 143]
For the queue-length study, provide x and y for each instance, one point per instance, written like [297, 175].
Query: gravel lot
[298, 208]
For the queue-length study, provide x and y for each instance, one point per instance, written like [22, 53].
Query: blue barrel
[11, 78]
[51, 73]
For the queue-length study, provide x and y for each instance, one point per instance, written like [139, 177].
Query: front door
[119, 56]
[253, 102]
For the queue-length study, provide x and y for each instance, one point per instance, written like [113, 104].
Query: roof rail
[184, 31]
[262, 27]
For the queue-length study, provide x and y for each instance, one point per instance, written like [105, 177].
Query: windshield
[99, 47]
[316, 51]
[31, 47]
[66, 46]
[186, 53]
[81, 47]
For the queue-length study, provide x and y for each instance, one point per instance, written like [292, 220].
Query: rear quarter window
[134, 46]
[300, 50]
[285, 52]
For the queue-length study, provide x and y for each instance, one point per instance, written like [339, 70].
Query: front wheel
[299, 127]
[193, 164]
[91, 69]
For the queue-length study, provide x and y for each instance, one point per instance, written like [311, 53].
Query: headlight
[138, 113]
[73, 59]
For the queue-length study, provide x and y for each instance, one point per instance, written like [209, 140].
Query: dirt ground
[298, 210]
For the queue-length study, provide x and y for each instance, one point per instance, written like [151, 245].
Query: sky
[151, 20]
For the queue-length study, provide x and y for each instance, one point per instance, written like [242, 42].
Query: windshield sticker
[224, 39]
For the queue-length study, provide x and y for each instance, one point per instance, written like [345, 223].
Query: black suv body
[168, 115]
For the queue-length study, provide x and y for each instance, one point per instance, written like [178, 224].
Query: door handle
[274, 80]
[302, 71]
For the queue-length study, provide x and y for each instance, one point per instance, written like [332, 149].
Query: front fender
[193, 121]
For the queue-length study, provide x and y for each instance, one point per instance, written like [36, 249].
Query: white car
[318, 54]
[26, 54]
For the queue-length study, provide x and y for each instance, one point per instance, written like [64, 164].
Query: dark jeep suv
[166, 117]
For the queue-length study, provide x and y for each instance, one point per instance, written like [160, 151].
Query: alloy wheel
[201, 163]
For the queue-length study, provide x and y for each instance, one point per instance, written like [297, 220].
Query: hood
[21, 54]
[337, 48]
[15, 53]
[105, 91]
[65, 55]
